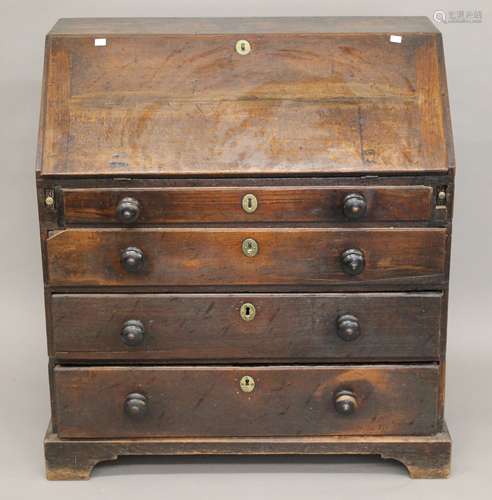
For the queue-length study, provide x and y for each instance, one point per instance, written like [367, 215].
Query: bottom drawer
[111, 402]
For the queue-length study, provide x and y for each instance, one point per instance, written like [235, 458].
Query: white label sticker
[395, 38]
[100, 42]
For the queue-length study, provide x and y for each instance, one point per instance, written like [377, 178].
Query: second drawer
[289, 257]
[254, 327]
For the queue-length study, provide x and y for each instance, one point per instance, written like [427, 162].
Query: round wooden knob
[128, 210]
[132, 259]
[352, 261]
[136, 405]
[132, 332]
[345, 403]
[348, 327]
[354, 206]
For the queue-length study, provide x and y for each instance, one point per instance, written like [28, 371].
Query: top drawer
[176, 205]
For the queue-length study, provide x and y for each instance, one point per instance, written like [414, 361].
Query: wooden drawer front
[208, 401]
[187, 257]
[276, 327]
[275, 204]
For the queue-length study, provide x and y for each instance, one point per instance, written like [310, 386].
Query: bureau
[245, 230]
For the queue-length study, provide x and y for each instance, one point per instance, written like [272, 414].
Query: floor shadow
[312, 464]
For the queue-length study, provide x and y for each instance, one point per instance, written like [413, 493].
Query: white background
[24, 399]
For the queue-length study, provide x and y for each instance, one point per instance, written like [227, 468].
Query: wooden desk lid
[165, 97]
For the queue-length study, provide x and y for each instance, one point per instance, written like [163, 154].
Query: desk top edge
[238, 25]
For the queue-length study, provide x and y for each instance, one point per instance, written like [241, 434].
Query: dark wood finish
[321, 103]
[136, 405]
[345, 140]
[286, 327]
[440, 216]
[208, 401]
[223, 205]
[425, 457]
[231, 25]
[132, 333]
[215, 257]
[128, 210]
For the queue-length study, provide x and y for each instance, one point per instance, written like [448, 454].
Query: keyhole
[248, 312]
[243, 47]
[249, 203]
[250, 247]
[247, 383]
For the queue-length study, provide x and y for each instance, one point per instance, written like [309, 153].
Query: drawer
[194, 257]
[112, 402]
[250, 204]
[248, 327]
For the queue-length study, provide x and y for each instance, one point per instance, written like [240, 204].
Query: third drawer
[254, 327]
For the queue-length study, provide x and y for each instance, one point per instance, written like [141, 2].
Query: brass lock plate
[49, 198]
[249, 203]
[247, 383]
[248, 311]
[250, 247]
[243, 47]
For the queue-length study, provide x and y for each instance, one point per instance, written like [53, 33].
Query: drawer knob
[345, 403]
[128, 210]
[136, 405]
[132, 259]
[354, 206]
[348, 327]
[352, 261]
[133, 332]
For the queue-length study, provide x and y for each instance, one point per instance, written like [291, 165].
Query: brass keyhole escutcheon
[249, 203]
[247, 383]
[243, 47]
[250, 247]
[248, 311]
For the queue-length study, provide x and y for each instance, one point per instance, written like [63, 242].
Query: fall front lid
[312, 96]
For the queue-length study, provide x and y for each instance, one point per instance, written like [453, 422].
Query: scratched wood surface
[208, 401]
[301, 256]
[425, 457]
[224, 205]
[190, 105]
[208, 328]
[169, 113]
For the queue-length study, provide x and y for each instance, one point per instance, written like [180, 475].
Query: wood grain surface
[169, 113]
[188, 257]
[223, 205]
[425, 457]
[206, 328]
[207, 401]
[190, 105]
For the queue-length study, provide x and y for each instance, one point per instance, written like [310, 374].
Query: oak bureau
[245, 229]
